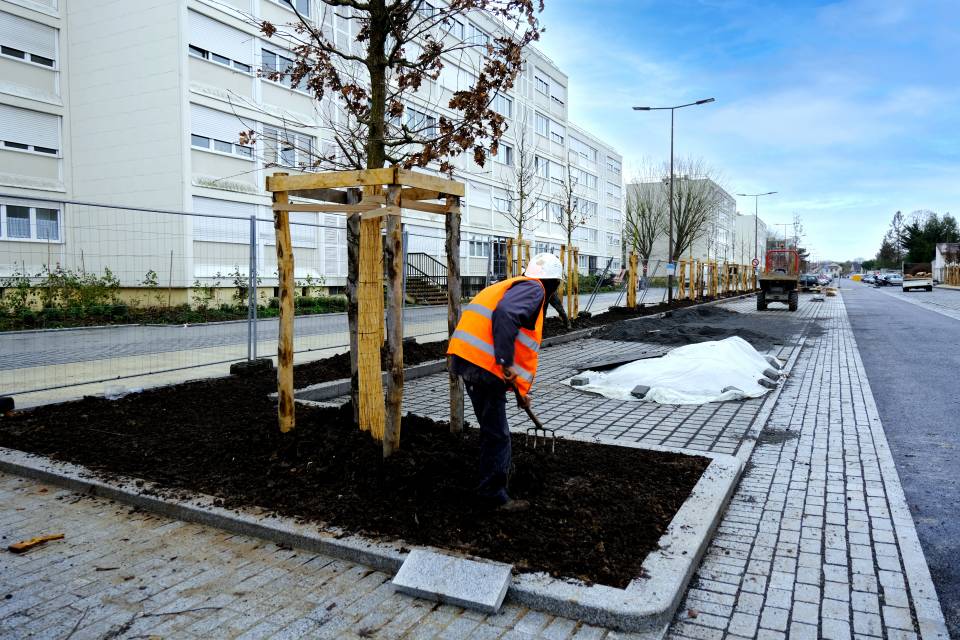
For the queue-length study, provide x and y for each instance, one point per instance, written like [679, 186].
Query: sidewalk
[818, 541]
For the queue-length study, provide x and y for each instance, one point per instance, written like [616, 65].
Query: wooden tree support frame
[385, 194]
[632, 281]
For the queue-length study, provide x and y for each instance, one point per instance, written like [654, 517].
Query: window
[502, 205]
[420, 123]
[542, 125]
[27, 40]
[557, 132]
[288, 148]
[427, 10]
[585, 207]
[542, 85]
[26, 130]
[476, 35]
[504, 154]
[303, 6]
[216, 42]
[558, 93]
[542, 166]
[478, 247]
[613, 165]
[613, 240]
[613, 190]
[273, 64]
[583, 178]
[453, 27]
[582, 150]
[217, 131]
[25, 222]
[503, 105]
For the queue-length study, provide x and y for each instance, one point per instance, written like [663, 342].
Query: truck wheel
[761, 301]
[794, 300]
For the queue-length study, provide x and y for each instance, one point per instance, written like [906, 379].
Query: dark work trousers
[489, 403]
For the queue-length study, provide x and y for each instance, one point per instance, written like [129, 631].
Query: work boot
[514, 506]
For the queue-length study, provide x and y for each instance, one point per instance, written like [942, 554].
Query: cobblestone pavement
[717, 427]
[818, 541]
[943, 301]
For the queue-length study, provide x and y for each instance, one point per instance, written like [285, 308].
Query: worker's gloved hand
[509, 374]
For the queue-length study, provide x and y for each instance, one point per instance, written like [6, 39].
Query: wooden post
[393, 260]
[370, 327]
[453, 306]
[632, 282]
[509, 257]
[570, 269]
[562, 289]
[353, 262]
[576, 283]
[281, 227]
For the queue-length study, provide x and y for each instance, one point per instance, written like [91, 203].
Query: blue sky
[851, 109]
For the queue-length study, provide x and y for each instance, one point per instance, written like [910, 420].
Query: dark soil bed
[700, 324]
[597, 510]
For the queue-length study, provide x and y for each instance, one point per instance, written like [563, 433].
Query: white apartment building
[750, 238]
[136, 104]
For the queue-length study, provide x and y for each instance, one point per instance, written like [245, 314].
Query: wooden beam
[414, 193]
[327, 208]
[328, 179]
[426, 207]
[432, 183]
[324, 195]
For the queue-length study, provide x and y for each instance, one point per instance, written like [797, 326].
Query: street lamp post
[756, 221]
[670, 232]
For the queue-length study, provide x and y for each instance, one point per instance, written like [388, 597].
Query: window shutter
[300, 234]
[222, 229]
[217, 37]
[29, 127]
[27, 35]
[334, 246]
[210, 123]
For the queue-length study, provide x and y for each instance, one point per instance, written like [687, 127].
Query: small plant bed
[597, 510]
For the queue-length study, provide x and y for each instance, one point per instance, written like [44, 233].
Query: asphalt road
[912, 359]
[40, 348]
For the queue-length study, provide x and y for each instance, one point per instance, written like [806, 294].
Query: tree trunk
[454, 294]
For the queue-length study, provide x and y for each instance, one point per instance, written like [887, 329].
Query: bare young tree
[645, 218]
[696, 201]
[527, 188]
[372, 88]
[572, 214]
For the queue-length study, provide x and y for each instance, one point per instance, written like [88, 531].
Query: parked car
[894, 279]
[869, 278]
[808, 282]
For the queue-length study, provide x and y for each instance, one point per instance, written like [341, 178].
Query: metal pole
[252, 291]
[756, 225]
[489, 263]
[670, 265]
[406, 242]
[596, 289]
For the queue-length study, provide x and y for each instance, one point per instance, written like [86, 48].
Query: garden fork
[540, 433]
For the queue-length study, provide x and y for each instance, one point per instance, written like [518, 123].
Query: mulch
[597, 510]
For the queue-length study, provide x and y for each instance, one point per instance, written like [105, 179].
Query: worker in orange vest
[495, 348]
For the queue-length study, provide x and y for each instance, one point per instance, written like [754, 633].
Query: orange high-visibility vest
[473, 338]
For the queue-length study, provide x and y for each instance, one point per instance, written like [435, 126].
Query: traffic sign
[756, 262]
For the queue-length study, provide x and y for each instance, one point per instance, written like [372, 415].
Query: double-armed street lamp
[756, 221]
[671, 267]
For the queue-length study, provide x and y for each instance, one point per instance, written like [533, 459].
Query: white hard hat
[544, 266]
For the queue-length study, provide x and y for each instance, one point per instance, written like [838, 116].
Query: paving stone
[458, 581]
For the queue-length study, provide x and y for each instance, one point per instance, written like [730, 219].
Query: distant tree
[525, 191]
[896, 234]
[696, 200]
[645, 219]
[887, 255]
[924, 231]
[572, 214]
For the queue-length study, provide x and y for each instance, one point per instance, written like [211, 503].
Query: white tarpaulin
[692, 374]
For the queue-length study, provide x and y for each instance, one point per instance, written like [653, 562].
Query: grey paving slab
[453, 580]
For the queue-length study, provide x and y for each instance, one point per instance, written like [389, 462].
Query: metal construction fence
[93, 293]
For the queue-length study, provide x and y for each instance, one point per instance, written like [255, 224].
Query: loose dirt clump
[700, 324]
[596, 510]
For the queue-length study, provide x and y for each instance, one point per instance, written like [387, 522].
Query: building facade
[750, 238]
[145, 108]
